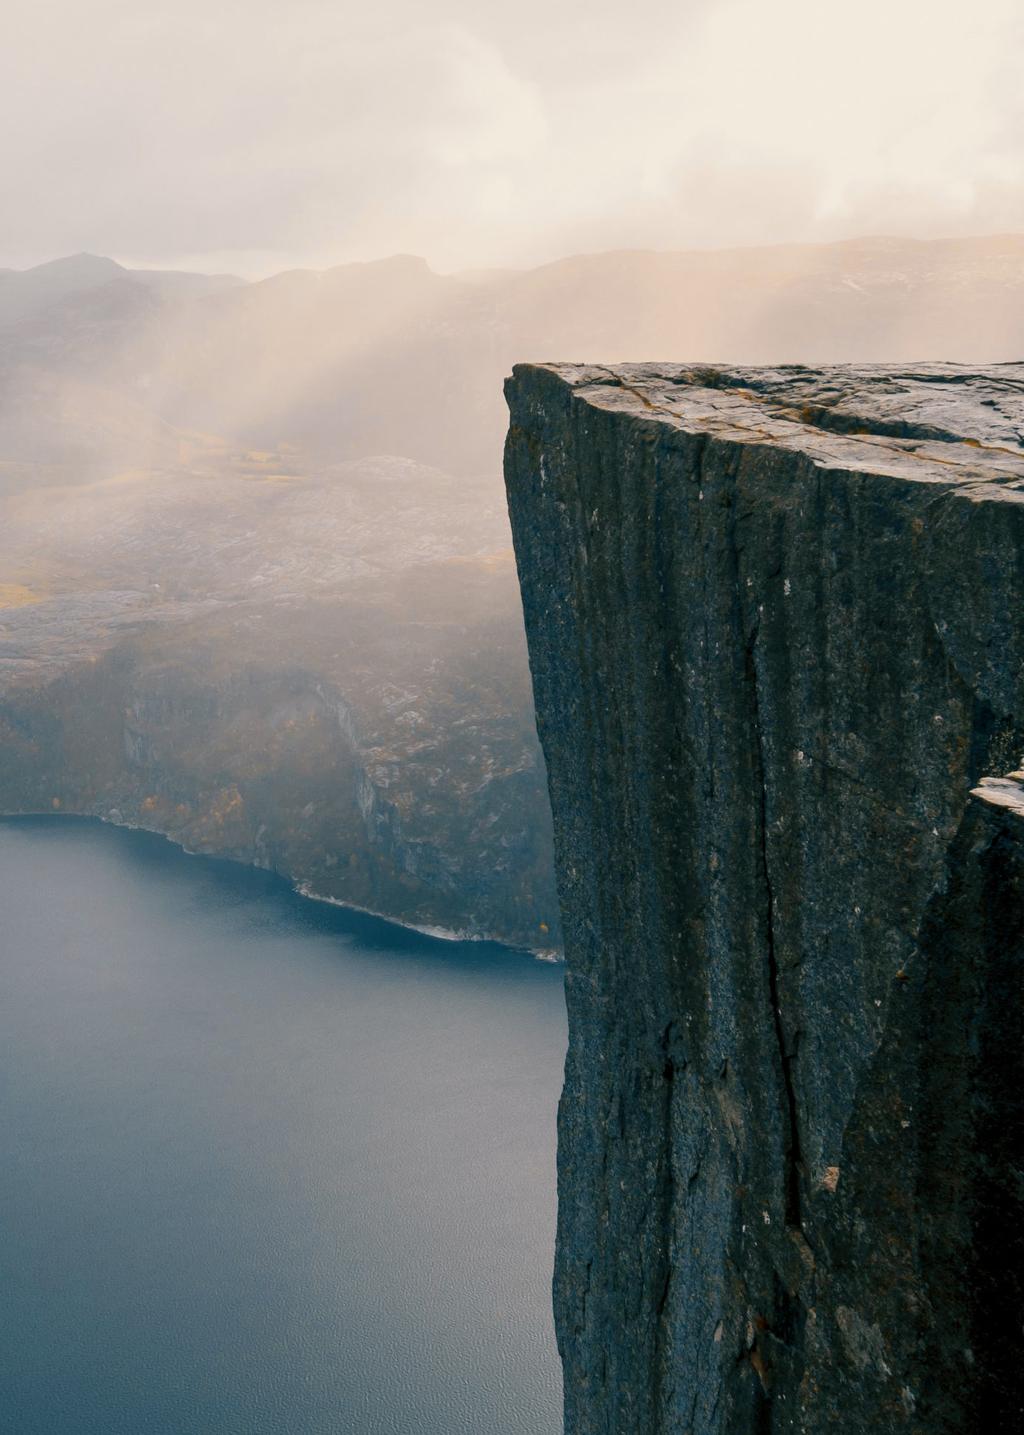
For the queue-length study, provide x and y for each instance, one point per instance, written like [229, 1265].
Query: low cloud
[257, 136]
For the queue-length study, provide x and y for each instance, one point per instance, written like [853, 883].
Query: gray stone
[776, 628]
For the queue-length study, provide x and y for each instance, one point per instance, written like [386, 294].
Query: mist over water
[269, 1168]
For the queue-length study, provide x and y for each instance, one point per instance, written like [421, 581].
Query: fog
[258, 135]
[256, 580]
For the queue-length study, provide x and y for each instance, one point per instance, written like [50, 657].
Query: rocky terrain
[776, 632]
[320, 673]
[256, 588]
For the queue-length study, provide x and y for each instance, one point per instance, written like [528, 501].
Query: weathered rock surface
[776, 628]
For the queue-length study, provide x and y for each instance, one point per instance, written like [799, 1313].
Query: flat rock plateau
[776, 631]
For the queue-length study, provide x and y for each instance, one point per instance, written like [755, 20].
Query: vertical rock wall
[776, 627]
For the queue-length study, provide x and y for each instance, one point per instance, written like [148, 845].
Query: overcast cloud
[255, 136]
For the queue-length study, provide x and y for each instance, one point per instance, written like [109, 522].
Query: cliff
[389, 766]
[776, 633]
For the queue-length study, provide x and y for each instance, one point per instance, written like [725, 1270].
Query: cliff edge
[776, 630]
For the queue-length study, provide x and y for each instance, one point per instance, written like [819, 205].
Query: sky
[252, 136]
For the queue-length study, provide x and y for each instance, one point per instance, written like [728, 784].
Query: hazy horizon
[253, 138]
[472, 271]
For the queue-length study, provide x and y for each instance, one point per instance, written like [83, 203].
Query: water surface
[265, 1166]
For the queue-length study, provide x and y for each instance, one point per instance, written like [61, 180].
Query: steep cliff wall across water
[776, 627]
[321, 670]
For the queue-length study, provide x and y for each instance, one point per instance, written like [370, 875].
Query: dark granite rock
[776, 627]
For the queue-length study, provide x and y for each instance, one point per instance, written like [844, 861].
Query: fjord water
[266, 1167]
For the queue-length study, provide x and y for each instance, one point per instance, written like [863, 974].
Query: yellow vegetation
[500, 558]
[16, 595]
[259, 477]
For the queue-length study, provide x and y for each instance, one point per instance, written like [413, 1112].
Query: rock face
[776, 628]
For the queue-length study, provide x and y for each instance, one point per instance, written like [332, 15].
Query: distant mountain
[180, 284]
[389, 356]
[864, 299]
[27, 292]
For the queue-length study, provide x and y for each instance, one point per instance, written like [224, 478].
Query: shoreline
[440, 934]
[302, 888]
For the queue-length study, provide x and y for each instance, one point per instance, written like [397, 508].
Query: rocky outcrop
[321, 671]
[776, 628]
[391, 765]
